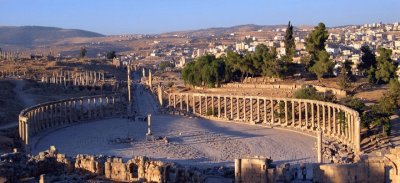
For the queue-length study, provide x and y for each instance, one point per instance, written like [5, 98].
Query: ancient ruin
[336, 121]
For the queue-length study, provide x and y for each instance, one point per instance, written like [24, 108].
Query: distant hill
[225, 30]
[26, 36]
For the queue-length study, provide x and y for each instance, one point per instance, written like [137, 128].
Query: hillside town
[343, 44]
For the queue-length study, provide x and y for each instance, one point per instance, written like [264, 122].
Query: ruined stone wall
[336, 121]
[15, 166]
[251, 170]
[337, 92]
[370, 169]
[68, 111]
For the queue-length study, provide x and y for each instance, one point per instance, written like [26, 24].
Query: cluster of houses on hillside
[343, 44]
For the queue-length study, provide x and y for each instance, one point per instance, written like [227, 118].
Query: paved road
[143, 101]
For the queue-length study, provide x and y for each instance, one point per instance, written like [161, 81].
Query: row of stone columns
[14, 73]
[67, 78]
[8, 55]
[53, 114]
[334, 120]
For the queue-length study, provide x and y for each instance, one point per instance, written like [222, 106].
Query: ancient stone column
[238, 171]
[174, 100]
[272, 112]
[150, 79]
[113, 111]
[206, 102]
[306, 113]
[357, 132]
[26, 132]
[258, 110]
[225, 105]
[323, 118]
[351, 126]
[318, 117]
[95, 114]
[101, 107]
[319, 145]
[300, 117]
[312, 116]
[286, 113]
[129, 88]
[251, 110]
[237, 108]
[334, 122]
[169, 100]
[159, 92]
[75, 113]
[212, 105]
[231, 99]
[89, 110]
[340, 129]
[219, 106]
[329, 120]
[187, 102]
[181, 102]
[68, 111]
[107, 107]
[347, 126]
[194, 104]
[244, 109]
[200, 105]
[293, 114]
[148, 124]
[265, 111]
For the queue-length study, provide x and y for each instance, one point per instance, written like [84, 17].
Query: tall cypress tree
[290, 46]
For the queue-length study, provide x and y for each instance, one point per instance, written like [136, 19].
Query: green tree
[204, 71]
[323, 66]
[312, 94]
[315, 42]
[273, 67]
[368, 59]
[354, 103]
[261, 54]
[306, 61]
[234, 62]
[111, 55]
[290, 46]
[165, 64]
[344, 79]
[386, 68]
[394, 89]
[83, 52]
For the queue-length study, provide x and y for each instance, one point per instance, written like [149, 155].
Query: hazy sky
[155, 16]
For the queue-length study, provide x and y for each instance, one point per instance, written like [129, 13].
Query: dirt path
[26, 99]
